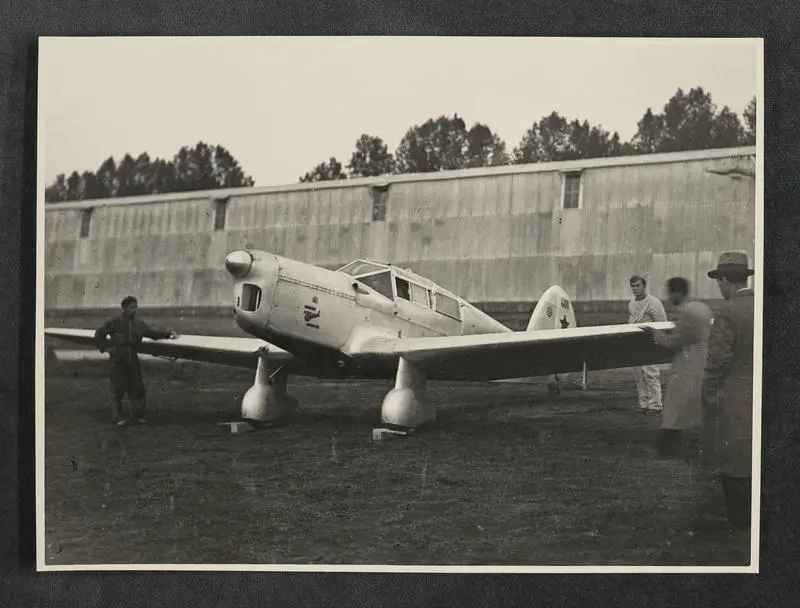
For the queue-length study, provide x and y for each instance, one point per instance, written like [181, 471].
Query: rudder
[554, 310]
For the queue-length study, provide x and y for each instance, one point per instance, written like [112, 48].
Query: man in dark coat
[728, 387]
[121, 337]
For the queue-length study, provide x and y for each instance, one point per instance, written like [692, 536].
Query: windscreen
[380, 282]
[359, 267]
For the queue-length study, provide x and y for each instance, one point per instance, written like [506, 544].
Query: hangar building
[497, 236]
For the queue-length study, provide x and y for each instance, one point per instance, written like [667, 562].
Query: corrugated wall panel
[521, 200]
[498, 277]
[481, 206]
[415, 239]
[239, 239]
[546, 242]
[415, 195]
[300, 205]
[67, 225]
[254, 212]
[705, 286]
[592, 273]
[478, 286]
[437, 233]
[237, 211]
[348, 207]
[567, 273]
[497, 237]
[63, 257]
[568, 228]
[332, 240]
[277, 209]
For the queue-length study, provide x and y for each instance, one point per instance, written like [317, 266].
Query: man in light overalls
[646, 308]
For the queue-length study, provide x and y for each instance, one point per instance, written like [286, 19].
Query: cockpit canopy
[362, 267]
[395, 284]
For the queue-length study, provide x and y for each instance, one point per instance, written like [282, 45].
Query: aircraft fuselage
[320, 315]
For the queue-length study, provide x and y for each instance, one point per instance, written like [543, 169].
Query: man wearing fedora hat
[728, 387]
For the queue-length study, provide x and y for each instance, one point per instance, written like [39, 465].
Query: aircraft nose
[239, 263]
[255, 281]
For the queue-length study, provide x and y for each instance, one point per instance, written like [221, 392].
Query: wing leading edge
[523, 354]
[235, 352]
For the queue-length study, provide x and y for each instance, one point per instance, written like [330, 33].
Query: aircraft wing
[522, 354]
[236, 352]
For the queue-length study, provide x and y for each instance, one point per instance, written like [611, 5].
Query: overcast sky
[282, 105]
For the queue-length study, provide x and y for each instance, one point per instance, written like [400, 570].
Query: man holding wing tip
[682, 416]
[121, 337]
[645, 308]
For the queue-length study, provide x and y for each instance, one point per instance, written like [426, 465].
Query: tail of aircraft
[553, 311]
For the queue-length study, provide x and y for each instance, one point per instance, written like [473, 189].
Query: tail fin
[553, 311]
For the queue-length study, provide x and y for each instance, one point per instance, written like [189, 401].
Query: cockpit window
[448, 306]
[359, 267]
[412, 292]
[380, 282]
[402, 289]
[420, 295]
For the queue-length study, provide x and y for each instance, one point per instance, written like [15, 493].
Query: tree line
[202, 167]
[688, 121]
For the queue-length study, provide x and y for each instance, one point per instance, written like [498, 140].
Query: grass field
[506, 476]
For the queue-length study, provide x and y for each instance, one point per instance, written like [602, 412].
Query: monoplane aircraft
[375, 320]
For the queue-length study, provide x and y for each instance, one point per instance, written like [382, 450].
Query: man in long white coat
[682, 416]
[645, 308]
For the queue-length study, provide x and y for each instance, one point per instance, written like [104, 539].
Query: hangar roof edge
[387, 180]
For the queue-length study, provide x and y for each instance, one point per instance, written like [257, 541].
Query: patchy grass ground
[496, 481]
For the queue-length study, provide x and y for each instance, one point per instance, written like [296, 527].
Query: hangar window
[380, 196]
[572, 191]
[448, 306]
[380, 282]
[86, 222]
[251, 297]
[220, 211]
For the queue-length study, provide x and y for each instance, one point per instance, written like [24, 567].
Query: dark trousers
[126, 379]
[736, 491]
[680, 444]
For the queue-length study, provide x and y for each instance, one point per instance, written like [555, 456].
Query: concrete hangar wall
[496, 236]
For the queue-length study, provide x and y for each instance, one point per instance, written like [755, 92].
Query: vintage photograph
[399, 304]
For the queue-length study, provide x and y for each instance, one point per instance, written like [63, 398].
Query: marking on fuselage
[310, 316]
